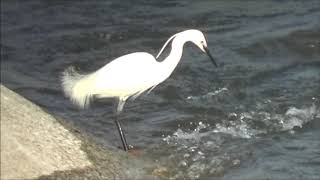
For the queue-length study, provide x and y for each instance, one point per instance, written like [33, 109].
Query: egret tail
[78, 87]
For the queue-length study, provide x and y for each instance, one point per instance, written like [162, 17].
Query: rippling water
[257, 116]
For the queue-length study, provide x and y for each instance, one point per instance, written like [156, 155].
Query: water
[257, 116]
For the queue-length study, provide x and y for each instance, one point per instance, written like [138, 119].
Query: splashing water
[195, 135]
[269, 68]
[297, 117]
[203, 150]
[240, 127]
[208, 95]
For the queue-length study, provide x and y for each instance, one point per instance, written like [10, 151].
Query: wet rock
[34, 144]
[161, 172]
[236, 162]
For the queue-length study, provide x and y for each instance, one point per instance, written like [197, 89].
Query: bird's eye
[202, 42]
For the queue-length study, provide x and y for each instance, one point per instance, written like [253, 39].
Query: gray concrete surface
[35, 145]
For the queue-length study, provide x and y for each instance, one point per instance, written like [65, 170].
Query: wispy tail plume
[78, 87]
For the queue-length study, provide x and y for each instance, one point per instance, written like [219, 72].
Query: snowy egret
[130, 75]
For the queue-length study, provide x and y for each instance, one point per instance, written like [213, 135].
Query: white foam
[241, 130]
[199, 150]
[295, 117]
[208, 95]
[292, 118]
[183, 135]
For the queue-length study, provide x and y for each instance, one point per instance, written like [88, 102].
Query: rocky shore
[36, 145]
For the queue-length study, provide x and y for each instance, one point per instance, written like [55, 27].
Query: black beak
[210, 56]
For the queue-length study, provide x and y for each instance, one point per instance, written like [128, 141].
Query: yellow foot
[135, 151]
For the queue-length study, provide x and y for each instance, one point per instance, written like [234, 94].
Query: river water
[256, 116]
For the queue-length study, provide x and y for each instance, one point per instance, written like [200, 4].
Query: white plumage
[129, 75]
[118, 79]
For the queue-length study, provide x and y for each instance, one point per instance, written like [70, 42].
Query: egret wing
[128, 75]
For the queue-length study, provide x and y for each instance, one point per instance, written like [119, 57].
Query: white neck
[170, 63]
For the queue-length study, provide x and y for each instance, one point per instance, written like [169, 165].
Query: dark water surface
[257, 116]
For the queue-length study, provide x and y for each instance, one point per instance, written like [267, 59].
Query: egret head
[199, 40]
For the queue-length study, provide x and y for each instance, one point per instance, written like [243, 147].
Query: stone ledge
[34, 144]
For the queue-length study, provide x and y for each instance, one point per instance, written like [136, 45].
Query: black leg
[122, 135]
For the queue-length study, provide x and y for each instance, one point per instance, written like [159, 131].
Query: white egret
[129, 75]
